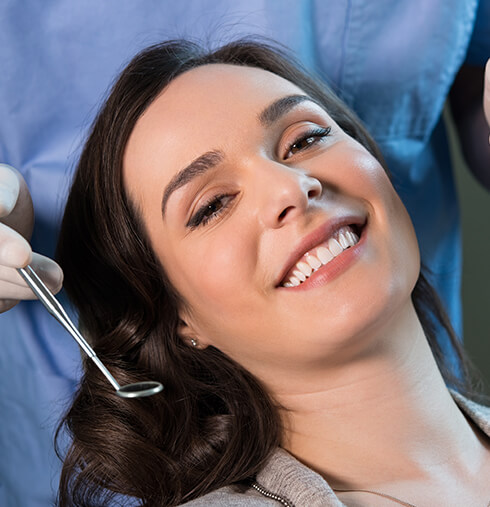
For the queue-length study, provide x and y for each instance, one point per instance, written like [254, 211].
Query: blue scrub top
[393, 62]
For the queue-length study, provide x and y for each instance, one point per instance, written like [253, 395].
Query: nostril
[315, 189]
[285, 212]
[314, 192]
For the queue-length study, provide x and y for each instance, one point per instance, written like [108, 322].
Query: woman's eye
[307, 140]
[210, 210]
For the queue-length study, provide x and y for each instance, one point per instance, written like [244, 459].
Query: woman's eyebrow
[281, 106]
[197, 167]
[211, 159]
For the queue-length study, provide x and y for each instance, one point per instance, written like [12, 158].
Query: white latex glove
[16, 223]
[486, 94]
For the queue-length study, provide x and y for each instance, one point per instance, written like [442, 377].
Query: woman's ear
[189, 335]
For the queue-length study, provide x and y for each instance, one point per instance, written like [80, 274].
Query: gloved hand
[16, 223]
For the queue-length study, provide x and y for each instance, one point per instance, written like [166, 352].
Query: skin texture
[227, 270]
[347, 347]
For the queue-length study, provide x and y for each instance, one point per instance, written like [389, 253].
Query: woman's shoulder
[231, 496]
[282, 481]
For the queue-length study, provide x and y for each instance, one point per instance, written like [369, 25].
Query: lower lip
[334, 268]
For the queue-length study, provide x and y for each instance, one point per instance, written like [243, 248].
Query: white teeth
[313, 261]
[324, 255]
[334, 247]
[348, 236]
[299, 275]
[344, 242]
[304, 268]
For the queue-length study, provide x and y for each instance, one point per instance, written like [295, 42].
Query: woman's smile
[264, 199]
[323, 249]
[326, 262]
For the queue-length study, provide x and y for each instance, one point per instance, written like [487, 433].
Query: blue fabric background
[394, 62]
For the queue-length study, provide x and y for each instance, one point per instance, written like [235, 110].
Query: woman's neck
[384, 418]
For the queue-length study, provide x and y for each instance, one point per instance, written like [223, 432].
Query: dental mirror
[139, 389]
[136, 390]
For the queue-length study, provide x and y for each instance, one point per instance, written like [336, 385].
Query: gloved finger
[49, 272]
[13, 287]
[9, 189]
[16, 209]
[15, 251]
[10, 275]
[15, 291]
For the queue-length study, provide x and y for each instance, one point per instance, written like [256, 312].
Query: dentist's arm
[486, 96]
[16, 223]
[470, 105]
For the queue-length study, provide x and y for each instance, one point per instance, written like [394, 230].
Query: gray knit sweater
[286, 481]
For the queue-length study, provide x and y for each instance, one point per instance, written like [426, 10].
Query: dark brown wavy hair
[214, 424]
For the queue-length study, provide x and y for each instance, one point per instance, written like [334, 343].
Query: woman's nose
[286, 193]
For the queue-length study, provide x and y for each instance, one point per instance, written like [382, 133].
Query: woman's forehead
[226, 79]
[215, 89]
[201, 107]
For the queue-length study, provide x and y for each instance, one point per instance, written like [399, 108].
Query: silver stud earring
[194, 342]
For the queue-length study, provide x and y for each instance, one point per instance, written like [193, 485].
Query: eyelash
[318, 132]
[200, 218]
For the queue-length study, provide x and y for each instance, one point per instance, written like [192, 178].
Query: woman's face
[255, 180]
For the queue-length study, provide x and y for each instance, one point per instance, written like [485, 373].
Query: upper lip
[315, 238]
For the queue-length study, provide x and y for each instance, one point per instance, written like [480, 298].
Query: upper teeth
[314, 259]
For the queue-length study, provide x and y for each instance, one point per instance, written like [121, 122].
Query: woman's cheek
[218, 268]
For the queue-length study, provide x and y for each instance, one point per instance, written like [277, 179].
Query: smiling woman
[246, 248]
